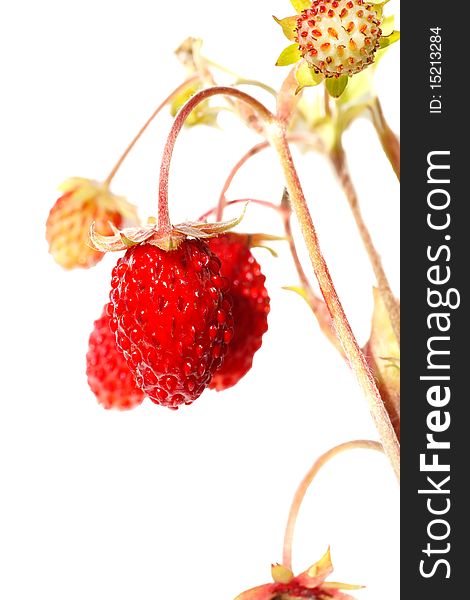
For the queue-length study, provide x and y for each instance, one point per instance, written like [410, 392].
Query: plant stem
[339, 162]
[307, 138]
[343, 329]
[316, 304]
[258, 107]
[264, 203]
[277, 138]
[167, 100]
[305, 484]
[388, 139]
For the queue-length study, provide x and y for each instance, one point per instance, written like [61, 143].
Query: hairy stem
[260, 109]
[305, 484]
[313, 141]
[338, 159]
[276, 136]
[126, 152]
[265, 203]
[316, 304]
[388, 139]
[343, 329]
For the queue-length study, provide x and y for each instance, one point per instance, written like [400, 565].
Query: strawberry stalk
[167, 100]
[388, 139]
[163, 211]
[264, 203]
[305, 484]
[307, 138]
[275, 134]
[339, 162]
[343, 329]
[316, 304]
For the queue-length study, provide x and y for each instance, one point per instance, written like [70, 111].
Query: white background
[155, 504]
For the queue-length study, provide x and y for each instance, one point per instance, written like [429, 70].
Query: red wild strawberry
[172, 318]
[108, 374]
[250, 306]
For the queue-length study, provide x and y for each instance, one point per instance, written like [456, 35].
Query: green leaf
[289, 56]
[336, 85]
[298, 290]
[301, 5]
[288, 25]
[306, 77]
[388, 40]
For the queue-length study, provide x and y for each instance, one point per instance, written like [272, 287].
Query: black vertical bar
[435, 233]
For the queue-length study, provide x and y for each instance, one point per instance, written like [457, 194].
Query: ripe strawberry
[172, 318]
[108, 374]
[250, 306]
[69, 220]
[339, 37]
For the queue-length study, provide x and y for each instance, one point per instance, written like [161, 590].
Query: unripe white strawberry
[338, 37]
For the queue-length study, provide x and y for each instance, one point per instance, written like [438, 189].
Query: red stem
[163, 212]
[276, 135]
[264, 203]
[310, 139]
[305, 484]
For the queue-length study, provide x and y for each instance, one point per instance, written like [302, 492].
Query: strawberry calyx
[122, 239]
[309, 584]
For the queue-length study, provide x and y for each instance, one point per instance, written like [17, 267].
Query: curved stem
[260, 109]
[305, 484]
[338, 159]
[264, 203]
[312, 140]
[251, 152]
[343, 329]
[167, 100]
[276, 136]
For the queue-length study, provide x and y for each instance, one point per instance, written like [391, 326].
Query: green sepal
[289, 56]
[336, 85]
[289, 26]
[301, 5]
[359, 87]
[298, 290]
[388, 40]
[180, 99]
[306, 77]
